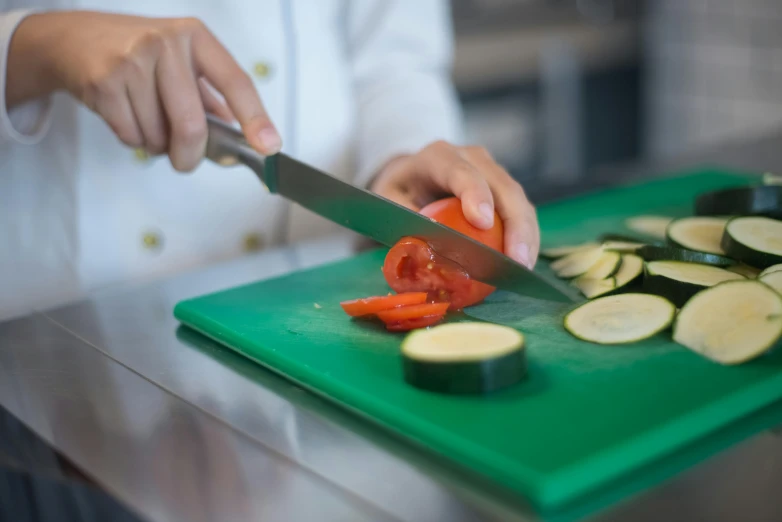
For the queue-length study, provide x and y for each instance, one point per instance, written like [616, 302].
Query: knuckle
[439, 146]
[464, 173]
[478, 151]
[190, 130]
[188, 25]
[151, 41]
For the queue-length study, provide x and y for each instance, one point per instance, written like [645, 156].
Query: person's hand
[152, 80]
[472, 175]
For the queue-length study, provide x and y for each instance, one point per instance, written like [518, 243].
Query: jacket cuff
[27, 123]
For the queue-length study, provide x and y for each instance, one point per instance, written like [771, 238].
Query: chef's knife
[373, 216]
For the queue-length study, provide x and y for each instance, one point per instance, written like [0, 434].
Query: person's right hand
[151, 79]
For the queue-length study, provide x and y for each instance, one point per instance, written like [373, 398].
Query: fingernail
[487, 213]
[270, 140]
[521, 253]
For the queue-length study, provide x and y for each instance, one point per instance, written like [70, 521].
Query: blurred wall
[552, 88]
[714, 72]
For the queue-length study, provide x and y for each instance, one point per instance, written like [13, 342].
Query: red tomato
[403, 313]
[412, 265]
[448, 212]
[372, 305]
[413, 324]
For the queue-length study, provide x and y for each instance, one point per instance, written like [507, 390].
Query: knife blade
[373, 216]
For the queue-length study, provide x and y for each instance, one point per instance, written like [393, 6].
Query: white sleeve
[401, 54]
[26, 123]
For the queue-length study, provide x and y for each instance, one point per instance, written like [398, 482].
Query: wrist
[31, 66]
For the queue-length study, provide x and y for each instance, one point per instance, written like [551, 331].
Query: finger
[176, 83]
[522, 234]
[148, 109]
[213, 102]
[450, 171]
[222, 71]
[113, 105]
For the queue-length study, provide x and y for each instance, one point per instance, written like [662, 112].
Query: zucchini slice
[631, 269]
[620, 319]
[557, 252]
[772, 268]
[702, 234]
[606, 266]
[773, 279]
[671, 253]
[652, 226]
[460, 358]
[577, 263]
[622, 246]
[732, 322]
[742, 201]
[750, 272]
[678, 281]
[756, 241]
[592, 288]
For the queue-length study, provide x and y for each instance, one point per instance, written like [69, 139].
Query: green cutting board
[586, 417]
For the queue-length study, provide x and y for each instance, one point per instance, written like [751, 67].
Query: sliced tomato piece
[413, 324]
[417, 311]
[372, 305]
[448, 212]
[412, 266]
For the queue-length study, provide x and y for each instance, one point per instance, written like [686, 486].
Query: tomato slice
[413, 324]
[417, 311]
[412, 266]
[372, 305]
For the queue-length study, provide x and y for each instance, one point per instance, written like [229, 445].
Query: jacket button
[253, 242]
[152, 241]
[262, 70]
[141, 155]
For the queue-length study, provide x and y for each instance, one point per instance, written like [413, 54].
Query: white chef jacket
[348, 83]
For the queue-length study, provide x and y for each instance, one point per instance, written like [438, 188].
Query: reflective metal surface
[179, 428]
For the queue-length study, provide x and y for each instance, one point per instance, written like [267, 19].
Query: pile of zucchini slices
[716, 277]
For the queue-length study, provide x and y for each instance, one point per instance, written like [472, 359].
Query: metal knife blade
[374, 216]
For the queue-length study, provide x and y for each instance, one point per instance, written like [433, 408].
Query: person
[105, 104]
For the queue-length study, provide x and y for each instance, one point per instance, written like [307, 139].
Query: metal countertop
[178, 428]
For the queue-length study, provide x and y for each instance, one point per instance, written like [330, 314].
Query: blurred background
[559, 88]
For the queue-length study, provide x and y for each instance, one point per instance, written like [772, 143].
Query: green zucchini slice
[606, 266]
[671, 253]
[652, 226]
[742, 201]
[750, 272]
[678, 281]
[620, 319]
[592, 288]
[630, 271]
[557, 252]
[772, 268]
[732, 322]
[577, 263]
[773, 279]
[756, 241]
[702, 234]
[622, 246]
[464, 358]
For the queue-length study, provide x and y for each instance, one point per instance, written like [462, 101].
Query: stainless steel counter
[178, 428]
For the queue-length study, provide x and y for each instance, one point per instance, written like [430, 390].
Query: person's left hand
[472, 175]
